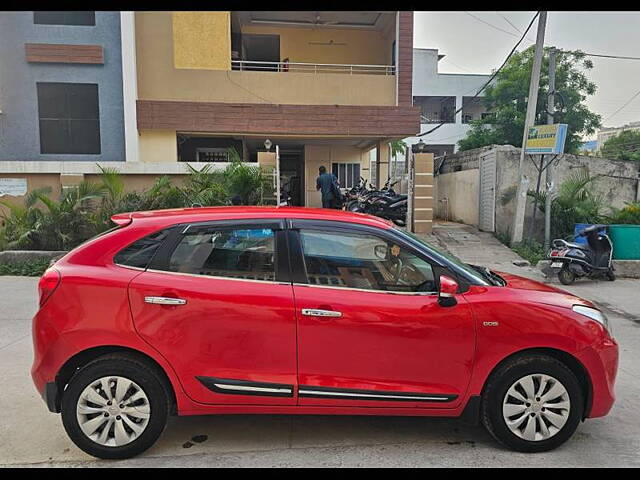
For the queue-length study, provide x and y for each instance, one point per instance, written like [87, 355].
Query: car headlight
[593, 314]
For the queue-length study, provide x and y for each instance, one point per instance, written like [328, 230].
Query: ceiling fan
[317, 22]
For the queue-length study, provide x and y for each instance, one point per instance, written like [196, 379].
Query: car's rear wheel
[115, 407]
[532, 403]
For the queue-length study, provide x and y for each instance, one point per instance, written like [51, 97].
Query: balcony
[286, 58]
[299, 67]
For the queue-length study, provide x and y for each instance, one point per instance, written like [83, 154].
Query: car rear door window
[365, 261]
[140, 253]
[247, 253]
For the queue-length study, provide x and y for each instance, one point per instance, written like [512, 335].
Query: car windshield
[479, 275]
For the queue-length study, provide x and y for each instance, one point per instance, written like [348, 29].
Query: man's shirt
[324, 183]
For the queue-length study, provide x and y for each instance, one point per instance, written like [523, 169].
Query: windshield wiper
[489, 275]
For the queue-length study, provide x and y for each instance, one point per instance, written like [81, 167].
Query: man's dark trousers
[331, 203]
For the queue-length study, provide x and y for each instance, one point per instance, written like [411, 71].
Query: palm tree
[574, 203]
[397, 146]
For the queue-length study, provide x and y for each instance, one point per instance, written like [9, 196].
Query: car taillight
[48, 283]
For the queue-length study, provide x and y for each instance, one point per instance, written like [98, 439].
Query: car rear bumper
[51, 397]
[601, 363]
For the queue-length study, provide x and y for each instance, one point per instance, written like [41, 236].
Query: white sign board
[16, 187]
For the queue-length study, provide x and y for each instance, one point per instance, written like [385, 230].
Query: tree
[624, 146]
[506, 101]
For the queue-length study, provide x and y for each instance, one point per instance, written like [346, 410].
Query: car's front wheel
[532, 403]
[115, 407]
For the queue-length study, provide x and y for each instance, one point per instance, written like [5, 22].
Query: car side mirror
[448, 289]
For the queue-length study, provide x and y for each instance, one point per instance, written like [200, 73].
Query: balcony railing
[448, 118]
[313, 67]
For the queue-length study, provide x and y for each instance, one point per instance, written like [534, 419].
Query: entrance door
[291, 176]
[487, 190]
[371, 332]
[216, 305]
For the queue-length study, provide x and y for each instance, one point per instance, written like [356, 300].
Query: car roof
[203, 214]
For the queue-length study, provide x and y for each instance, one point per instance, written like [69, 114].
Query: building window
[212, 155]
[202, 148]
[436, 109]
[69, 118]
[348, 174]
[472, 109]
[65, 18]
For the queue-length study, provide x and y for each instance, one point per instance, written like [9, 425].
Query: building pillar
[129, 85]
[267, 162]
[423, 193]
[383, 153]
[458, 107]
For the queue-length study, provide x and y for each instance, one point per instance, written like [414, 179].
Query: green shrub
[627, 215]
[530, 250]
[83, 212]
[575, 202]
[28, 268]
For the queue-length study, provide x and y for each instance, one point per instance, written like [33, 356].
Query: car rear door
[371, 332]
[217, 303]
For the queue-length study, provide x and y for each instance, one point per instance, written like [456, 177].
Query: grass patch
[27, 268]
[531, 251]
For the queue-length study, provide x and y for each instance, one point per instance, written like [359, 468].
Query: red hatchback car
[248, 310]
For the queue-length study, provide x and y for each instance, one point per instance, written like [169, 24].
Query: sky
[471, 46]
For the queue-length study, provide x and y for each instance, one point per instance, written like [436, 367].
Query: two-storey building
[149, 91]
[447, 98]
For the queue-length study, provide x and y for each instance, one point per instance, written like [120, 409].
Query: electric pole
[532, 103]
[551, 108]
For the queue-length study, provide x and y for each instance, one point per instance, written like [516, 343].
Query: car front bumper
[601, 363]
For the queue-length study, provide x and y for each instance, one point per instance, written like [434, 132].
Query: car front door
[371, 332]
[217, 303]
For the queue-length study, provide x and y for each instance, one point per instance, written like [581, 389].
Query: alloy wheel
[536, 407]
[113, 411]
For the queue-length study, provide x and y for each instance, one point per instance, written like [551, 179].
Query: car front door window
[364, 261]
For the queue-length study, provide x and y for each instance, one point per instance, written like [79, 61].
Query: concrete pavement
[31, 436]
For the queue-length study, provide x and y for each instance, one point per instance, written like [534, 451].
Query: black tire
[132, 369]
[611, 276]
[566, 276]
[505, 376]
[353, 206]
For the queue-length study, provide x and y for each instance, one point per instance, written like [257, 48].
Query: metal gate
[487, 190]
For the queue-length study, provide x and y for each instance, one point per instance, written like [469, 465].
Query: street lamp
[267, 144]
[418, 147]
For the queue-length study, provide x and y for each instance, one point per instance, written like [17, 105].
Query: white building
[441, 95]
[606, 133]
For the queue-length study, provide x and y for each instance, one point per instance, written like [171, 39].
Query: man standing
[327, 184]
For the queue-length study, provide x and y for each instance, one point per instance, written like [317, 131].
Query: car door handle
[165, 301]
[312, 312]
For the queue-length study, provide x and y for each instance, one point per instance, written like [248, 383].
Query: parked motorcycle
[593, 259]
[285, 196]
[384, 203]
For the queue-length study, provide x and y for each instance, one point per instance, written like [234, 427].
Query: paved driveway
[30, 435]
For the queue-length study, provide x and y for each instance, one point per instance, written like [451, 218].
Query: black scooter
[592, 260]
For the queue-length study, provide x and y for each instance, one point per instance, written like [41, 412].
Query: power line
[509, 22]
[492, 76]
[622, 107]
[491, 25]
[620, 57]
[514, 27]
